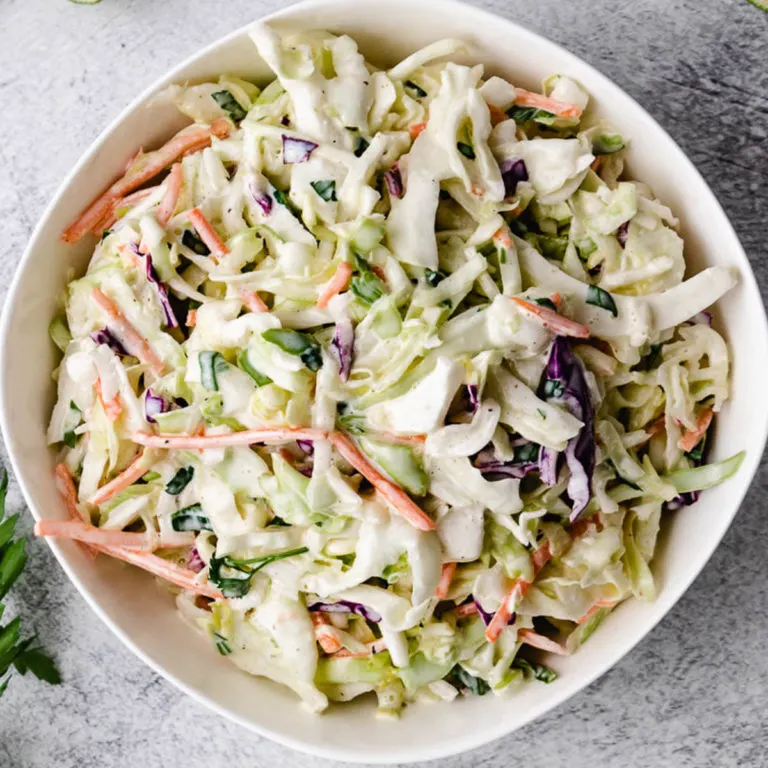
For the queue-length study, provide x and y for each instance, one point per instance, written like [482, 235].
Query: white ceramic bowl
[143, 615]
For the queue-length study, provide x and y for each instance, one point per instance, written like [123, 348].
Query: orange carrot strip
[113, 408]
[246, 437]
[324, 635]
[657, 426]
[133, 341]
[393, 494]
[445, 580]
[552, 321]
[191, 318]
[171, 197]
[181, 577]
[535, 640]
[253, 301]
[497, 115]
[525, 98]
[541, 557]
[393, 438]
[143, 168]
[506, 609]
[692, 437]
[208, 234]
[66, 487]
[90, 534]
[467, 609]
[594, 609]
[128, 476]
[502, 237]
[336, 284]
[129, 201]
[416, 129]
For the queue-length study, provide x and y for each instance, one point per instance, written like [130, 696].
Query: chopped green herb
[325, 189]
[606, 144]
[211, 364]
[194, 243]
[466, 150]
[548, 303]
[191, 518]
[434, 277]
[230, 105]
[475, 685]
[295, 343]
[524, 114]
[260, 379]
[72, 421]
[180, 480]
[597, 297]
[697, 454]
[527, 452]
[366, 285]
[537, 671]
[418, 90]
[239, 586]
[541, 413]
[222, 646]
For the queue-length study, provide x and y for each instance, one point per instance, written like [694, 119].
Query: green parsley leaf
[230, 105]
[475, 685]
[180, 480]
[191, 518]
[39, 664]
[325, 189]
[537, 671]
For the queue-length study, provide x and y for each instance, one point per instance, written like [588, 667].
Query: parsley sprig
[21, 655]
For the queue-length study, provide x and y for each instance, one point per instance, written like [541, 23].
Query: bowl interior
[143, 614]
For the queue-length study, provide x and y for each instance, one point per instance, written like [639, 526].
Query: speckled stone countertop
[695, 691]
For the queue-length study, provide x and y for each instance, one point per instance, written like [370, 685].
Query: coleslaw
[391, 374]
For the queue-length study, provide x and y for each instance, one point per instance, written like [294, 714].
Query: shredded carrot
[124, 202]
[599, 605]
[143, 168]
[324, 634]
[595, 164]
[253, 301]
[416, 129]
[525, 98]
[246, 437]
[445, 580]
[113, 408]
[164, 569]
[552, 321]
[336, 285]
[657, 426]
[191, 318]
[208, 234]
[128, 476]
[392, 493]
[393, 438]
[502, 237]
[90, 534]
[66, 487]
[497, 115]
[692, 437]
[543, 643]
[466, 609]
[171, 197]
[133, 341]
[581, 527]
[556, 299]
[540, 558]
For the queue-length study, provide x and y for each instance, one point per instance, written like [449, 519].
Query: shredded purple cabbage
[394, 181]
[623, 233]
[548, 459]
[194, 561]
[346, 606]
[170, 316]
[474, 396]
[488, 617]
[262, 199]
[493, 469]
[105, 336]
[343, 347]
[297, 150]
[563, 381]
[154, 404]
[307, 446]
[512, 173]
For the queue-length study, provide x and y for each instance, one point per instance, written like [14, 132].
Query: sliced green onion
[230, 105]
[244, 363]
[222, 646]
[295, 343]
[466, 150]
[191, 518]
[417, 89]
[700, 478]
[597, 297]
[180, 480]
[325, 189]
[211, 364]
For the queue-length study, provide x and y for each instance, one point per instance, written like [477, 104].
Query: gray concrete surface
[695, 692]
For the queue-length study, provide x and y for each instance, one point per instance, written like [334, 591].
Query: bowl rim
[409, 753]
